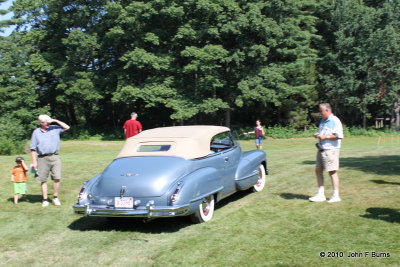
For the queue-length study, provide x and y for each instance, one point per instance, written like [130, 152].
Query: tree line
[227, 62]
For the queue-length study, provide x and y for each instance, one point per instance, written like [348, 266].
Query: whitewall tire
[259, 186]
[205, 210]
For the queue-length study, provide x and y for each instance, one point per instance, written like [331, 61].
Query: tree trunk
[364, 121]
[228, 117]
[114, 120]
[72, 115]
[395, 121]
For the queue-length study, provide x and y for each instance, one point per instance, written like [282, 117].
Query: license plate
[123, 202]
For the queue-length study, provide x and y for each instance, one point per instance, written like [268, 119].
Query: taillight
[80, 195]
[175, 196]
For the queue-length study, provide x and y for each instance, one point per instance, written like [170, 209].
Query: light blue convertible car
[173, 171]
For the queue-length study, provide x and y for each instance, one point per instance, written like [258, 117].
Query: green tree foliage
[361, 71]
[18, 96]
[205, 61]
[217, 55]
[186, 58]
[4, 23]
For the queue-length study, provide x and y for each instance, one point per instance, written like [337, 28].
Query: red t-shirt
[132, 128]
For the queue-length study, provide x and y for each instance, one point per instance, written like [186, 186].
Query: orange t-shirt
[19, 174]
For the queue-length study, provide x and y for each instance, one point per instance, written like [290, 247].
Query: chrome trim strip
[79, 209]
[248, 176]
[207, 194]
[149, 211]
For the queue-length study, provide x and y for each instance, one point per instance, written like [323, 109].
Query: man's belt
[46, 155]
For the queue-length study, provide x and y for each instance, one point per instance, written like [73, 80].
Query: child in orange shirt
[18, 177]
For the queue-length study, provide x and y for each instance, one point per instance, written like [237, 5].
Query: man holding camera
[45, 144]
[329, 137]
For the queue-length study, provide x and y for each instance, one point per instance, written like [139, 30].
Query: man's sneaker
[334, 199]
[45, 203]
[317, 198]
[56, 201]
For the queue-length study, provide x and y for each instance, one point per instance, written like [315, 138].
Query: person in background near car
[18, 177]
[259, 132]
[45, 143]
[132, 127]
[329, 137]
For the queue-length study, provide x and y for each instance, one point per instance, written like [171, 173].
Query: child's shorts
[259, 141]
[20, 188]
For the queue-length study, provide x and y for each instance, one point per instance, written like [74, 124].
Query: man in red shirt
[132, 127]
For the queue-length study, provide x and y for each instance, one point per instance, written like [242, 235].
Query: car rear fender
[84, 194]
[247, 171]
[197, 185]
[89, 183]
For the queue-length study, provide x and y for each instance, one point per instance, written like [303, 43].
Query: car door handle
[226, 159]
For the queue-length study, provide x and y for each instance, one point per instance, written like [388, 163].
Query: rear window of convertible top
[153, 148]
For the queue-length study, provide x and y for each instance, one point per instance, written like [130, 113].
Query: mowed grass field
[276, 227]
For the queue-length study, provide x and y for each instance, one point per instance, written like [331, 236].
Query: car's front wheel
[261, 179]
[205, 211]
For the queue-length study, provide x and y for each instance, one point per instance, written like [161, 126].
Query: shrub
[11, 146]
[274, 132]
[291, 132]
[359, 131]
[80, 132]
[76, 133]
[12, 135]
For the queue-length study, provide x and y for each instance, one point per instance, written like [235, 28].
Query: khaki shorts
[328, 160]
[49, 165]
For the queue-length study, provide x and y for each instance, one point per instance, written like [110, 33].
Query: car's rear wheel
[261, 179]
[205, 211]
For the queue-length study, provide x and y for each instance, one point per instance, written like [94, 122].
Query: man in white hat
[45, 144]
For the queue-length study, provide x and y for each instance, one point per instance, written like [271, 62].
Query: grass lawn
[276, 227]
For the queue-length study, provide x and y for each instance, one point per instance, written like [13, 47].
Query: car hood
[141, 176]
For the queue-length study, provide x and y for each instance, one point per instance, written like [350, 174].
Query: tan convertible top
[187, 142]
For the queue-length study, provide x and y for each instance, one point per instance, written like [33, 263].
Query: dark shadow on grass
[164, 225]
[291, 196]
[28, 199]
[157, 226]
[383, 165]
[384, 182]
[34, 198]
[384, 214]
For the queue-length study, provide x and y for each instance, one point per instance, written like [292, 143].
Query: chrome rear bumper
[147, 212]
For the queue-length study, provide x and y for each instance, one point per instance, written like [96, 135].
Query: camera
[319, 147]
